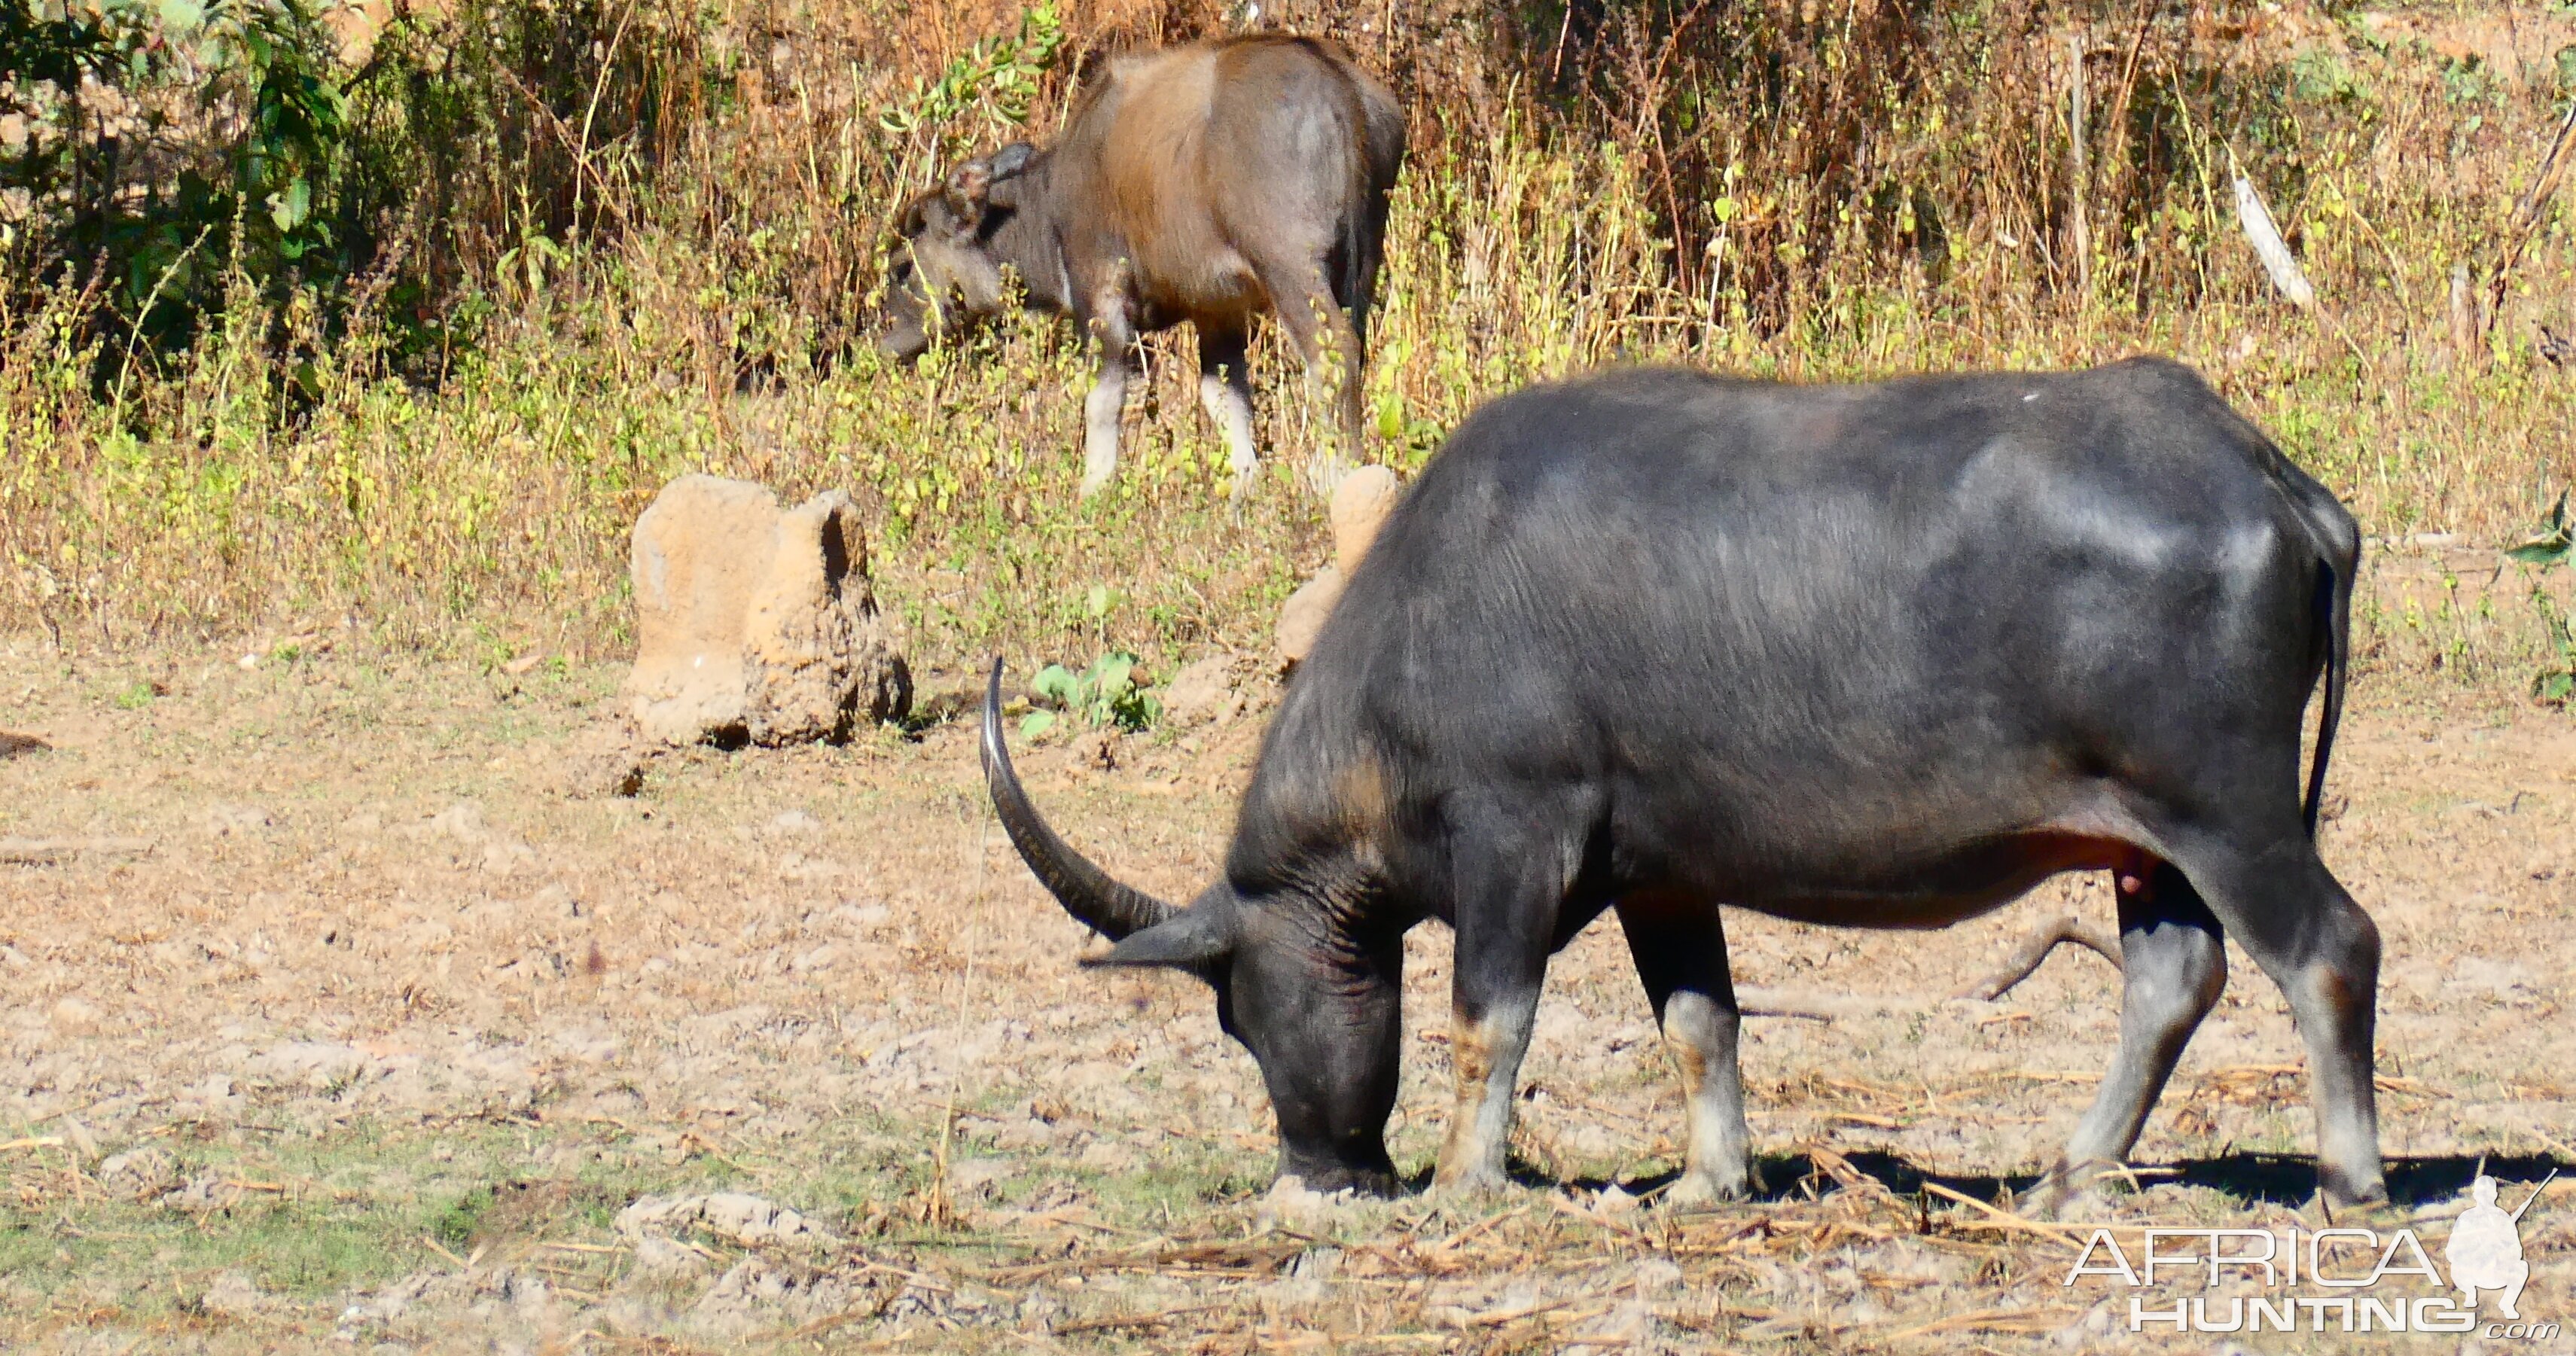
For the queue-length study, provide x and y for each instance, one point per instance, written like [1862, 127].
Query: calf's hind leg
[1680, 950]
[1335, 356]
[2173, 962]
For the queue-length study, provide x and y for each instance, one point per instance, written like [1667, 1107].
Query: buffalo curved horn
[1088, 893]
[1009, 161]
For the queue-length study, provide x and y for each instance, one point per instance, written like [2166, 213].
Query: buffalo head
[1320, 1017]
[943, 268]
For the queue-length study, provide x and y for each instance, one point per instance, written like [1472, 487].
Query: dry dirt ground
[329, 1020]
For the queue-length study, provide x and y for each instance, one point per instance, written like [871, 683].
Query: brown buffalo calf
[1208, 183]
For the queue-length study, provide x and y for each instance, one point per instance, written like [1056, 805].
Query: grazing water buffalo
[1208, 183]
[1875, 656]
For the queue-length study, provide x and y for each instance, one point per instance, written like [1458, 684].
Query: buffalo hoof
[2077, 1191]
[2350, 1192]
[1469, 1183]
[1331, 1180]
[2055, 1200]
[1698, 1189]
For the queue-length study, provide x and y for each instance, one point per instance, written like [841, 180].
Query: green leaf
[1112, 677]
[2551, 544]
[1036, 723]
[2557, 687]
[1056, 683]
[289, 208]
[1390, 416]
[2540, 551]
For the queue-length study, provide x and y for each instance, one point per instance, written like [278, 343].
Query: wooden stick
[2079, 226]
[1754, 1000]
[49, 851]
[2035, 946]
[2464, 314]
[2527, 213]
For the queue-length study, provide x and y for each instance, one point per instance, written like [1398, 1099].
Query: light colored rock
[232, 1293]
[659, 1256]
[756, 624]
[1202, 690]
[1302, 617]
[697, 555]
[732, 1215]
[139, 1173]
[1360, 505]
[818, 656]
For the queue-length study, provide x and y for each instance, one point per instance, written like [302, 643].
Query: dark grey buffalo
[1209, 183]
[1876, 656]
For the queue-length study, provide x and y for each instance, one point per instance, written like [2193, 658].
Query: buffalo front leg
[1504, 907]
[2173, 962]
[1225, 389]
[1680, 950]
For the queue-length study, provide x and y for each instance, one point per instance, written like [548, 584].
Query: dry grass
[282, 1012]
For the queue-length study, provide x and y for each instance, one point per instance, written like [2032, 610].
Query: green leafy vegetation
[2549, 547]
[1106, 693]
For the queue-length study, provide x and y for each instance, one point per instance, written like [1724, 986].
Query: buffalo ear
[968, 187]
[915, 216]
[1197, 939]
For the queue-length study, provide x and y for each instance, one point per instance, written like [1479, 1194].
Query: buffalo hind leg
[1680, 950]
[2173, 961]
[1503, 905]
[1333, 352]
[1107, 403]
[2296, 920]
[1225, 390]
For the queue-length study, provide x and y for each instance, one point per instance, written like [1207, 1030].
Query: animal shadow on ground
[2252, 1178]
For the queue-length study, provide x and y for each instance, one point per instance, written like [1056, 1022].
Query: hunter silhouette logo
[2485, 1251]
[2329, 1279]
